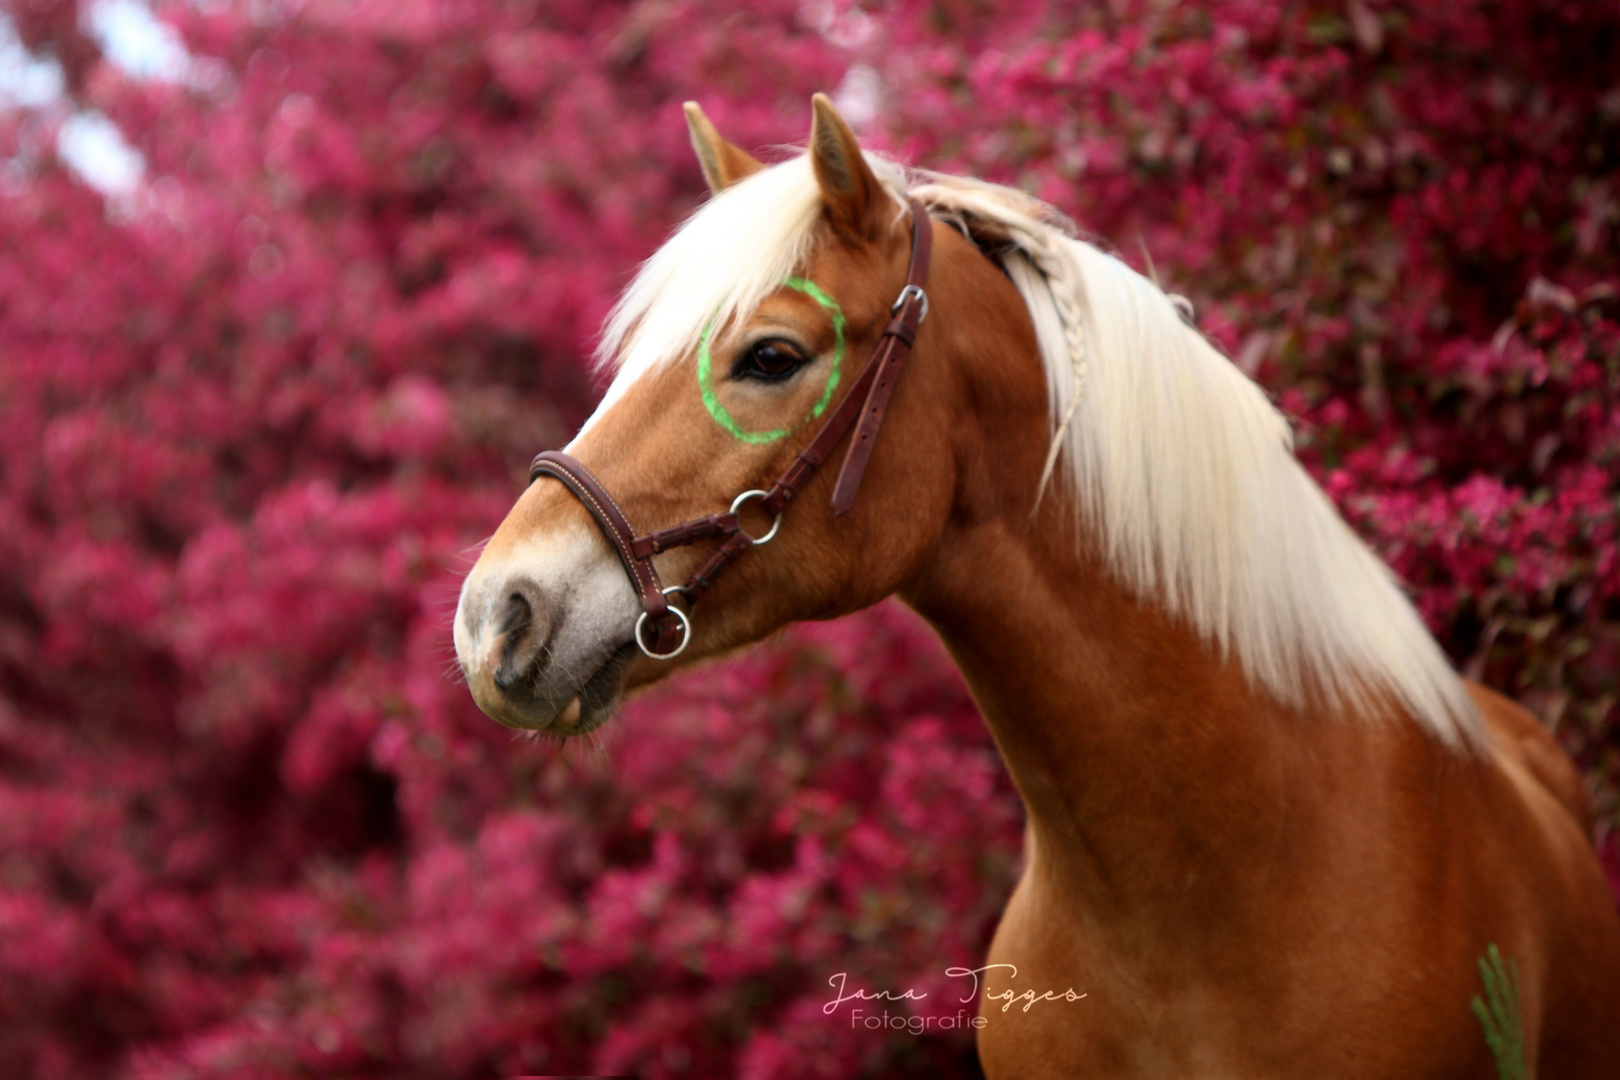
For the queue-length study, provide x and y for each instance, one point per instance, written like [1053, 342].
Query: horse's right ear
[850, 191]
[723, 164]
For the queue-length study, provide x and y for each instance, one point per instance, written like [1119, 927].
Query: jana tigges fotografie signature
[1008, 998]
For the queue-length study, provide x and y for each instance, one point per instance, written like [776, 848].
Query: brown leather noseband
[873, 387]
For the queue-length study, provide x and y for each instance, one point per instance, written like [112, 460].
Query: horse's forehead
[640, 390]
[857, 277]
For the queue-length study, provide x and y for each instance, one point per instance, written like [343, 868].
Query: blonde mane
[1181, 470]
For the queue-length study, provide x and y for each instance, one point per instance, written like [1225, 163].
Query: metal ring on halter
[907, 292]
[686, 629]
[755, 494]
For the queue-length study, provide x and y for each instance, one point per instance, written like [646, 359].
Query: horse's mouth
[598, 696]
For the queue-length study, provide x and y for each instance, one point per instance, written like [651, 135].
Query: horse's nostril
[522, 632]
[518, 614]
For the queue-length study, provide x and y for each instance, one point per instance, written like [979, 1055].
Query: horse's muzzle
[543, 636]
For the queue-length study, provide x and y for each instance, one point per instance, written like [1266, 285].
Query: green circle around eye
[705, 371]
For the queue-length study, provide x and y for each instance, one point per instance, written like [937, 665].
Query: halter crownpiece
[863, 407]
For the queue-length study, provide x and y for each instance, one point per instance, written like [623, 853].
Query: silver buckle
[905, 294]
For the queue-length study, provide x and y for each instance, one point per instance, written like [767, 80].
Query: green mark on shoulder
[705, 370]
[1499, 1014]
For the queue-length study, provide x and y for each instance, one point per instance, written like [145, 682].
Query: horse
[1270, 831]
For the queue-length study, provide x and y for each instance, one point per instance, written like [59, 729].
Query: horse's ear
[852, 194]
[723, 164]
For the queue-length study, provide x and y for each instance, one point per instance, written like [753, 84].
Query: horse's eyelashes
[771, 360]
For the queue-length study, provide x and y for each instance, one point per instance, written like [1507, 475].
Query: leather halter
[866, 401]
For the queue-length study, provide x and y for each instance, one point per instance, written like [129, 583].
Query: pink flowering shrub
[257, 412]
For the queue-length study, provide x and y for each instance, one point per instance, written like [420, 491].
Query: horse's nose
[503, 643]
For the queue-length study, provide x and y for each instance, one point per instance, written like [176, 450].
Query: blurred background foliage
[291, 291]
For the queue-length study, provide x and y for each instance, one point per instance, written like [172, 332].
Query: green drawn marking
[1499, 1014]
[705, 372]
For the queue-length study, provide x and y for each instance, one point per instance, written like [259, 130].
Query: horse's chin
[577, 719]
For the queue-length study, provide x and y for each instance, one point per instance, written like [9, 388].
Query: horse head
[735, 346]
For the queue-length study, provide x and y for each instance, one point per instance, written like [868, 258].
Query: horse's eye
[772, 361]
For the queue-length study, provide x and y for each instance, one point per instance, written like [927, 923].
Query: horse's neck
[1153, 772]
[1145, 761]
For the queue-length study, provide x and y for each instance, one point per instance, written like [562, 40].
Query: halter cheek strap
[662, 631]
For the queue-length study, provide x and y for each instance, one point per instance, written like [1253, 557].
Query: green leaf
[1499, 1014]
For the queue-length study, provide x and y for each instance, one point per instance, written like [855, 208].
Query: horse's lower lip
[598, 695]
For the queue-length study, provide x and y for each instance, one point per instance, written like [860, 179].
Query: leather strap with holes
[866, 402]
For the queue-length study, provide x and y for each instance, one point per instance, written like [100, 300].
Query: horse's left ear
[723, 164]
[851, 192]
